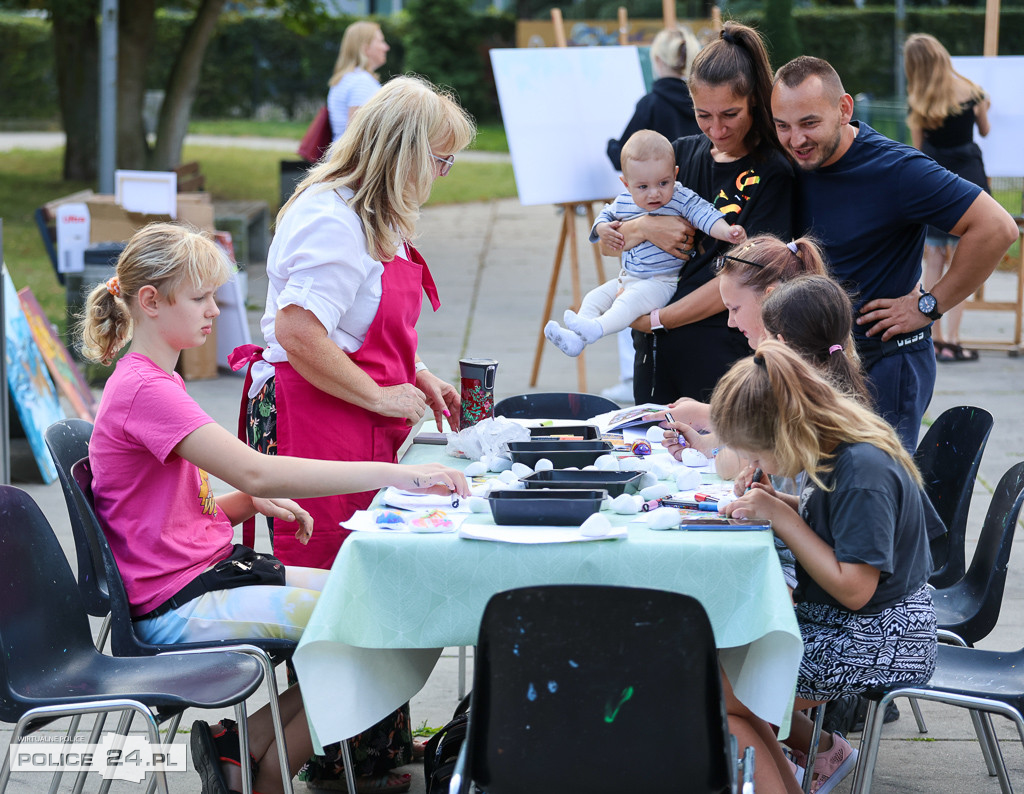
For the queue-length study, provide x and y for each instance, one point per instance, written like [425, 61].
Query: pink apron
[314, 424]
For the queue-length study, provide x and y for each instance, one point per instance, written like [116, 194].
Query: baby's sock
[568, 342]
[589, 330]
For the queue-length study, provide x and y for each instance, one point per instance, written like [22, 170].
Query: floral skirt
[386, 745]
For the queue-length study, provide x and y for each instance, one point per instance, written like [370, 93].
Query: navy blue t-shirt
[870, 210]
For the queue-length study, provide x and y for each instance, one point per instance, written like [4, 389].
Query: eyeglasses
[718, 263]
[446, 163]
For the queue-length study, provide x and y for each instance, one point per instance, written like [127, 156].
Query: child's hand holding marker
[750, 477]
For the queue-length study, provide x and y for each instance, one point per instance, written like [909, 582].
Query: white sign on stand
[560, 106]
[72, 237]
[1001, 78]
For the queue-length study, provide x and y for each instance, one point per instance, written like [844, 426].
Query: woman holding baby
[738, 165]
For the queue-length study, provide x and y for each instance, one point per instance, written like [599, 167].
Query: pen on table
[703, 497]
[756, 477]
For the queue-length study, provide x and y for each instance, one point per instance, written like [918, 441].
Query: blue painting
[31, 389]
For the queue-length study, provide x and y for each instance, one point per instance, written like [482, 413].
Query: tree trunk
[76, 56]
[135, 33]
[181, 87]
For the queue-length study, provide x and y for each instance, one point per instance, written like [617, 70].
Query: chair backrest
[949, 456]
[43, 626]
[68, 442]
[981, 589]
[554, 405]
[596, 689]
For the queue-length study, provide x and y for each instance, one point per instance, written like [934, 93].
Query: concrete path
[492, 263]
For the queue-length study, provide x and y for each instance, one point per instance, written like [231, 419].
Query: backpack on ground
[442, 751]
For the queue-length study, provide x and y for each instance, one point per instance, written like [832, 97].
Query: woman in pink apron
[340, 377]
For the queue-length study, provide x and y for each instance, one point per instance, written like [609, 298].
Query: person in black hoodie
[668, 108]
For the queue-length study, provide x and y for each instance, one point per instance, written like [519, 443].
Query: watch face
[926, 303]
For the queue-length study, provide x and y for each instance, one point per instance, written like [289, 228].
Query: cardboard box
[200, 363]
[110, 222]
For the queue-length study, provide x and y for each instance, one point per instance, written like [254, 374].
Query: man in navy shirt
[868, 200]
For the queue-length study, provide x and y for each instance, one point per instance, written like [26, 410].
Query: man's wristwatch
[928, 306]
[656, 321]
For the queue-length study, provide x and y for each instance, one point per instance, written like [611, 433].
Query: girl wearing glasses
[340, 378]
[738, 165]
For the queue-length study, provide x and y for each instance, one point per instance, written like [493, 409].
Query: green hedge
[28, 85]
[254, 62]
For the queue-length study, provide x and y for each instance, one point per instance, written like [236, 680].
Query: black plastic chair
[68, 442]
[967, 612]
[970, 608]
[949, 456]
[49, 665]
[571, 682]
[554, 405]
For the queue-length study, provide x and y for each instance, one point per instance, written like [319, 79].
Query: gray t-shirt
[874, 514]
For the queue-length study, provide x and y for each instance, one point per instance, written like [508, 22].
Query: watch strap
[656, 321]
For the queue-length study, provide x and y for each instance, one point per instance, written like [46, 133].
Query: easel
[978, 302]
[568, 234]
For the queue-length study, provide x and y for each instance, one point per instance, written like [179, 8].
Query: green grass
[29, 179]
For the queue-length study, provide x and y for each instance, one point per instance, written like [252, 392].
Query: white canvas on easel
[560, 105]
[1001, 79]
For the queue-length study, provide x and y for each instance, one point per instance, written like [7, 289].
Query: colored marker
[758, 474]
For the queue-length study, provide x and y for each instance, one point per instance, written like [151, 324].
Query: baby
[648, 277]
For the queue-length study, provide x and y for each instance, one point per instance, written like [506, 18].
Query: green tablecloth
[393, 601]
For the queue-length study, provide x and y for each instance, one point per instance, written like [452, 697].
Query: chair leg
[346, 759]
[172, 730]
[869, 741]
[812, 750]
[123, 726]
[243, 747]
[462, 672]
[986, 738]
[94, 738]
[918, 716]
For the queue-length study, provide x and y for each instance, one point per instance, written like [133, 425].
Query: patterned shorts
[847, 652]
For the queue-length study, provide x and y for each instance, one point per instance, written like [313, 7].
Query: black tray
[585, 432]
[614, 482]
[542, 508]
[562, 454]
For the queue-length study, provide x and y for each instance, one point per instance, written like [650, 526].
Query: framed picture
[30, 386]
[63, 369]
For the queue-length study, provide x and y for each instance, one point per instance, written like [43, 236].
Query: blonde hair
[164, 255]
[646, 145]
[775, 401]
[931, 81]
[386, 157]
[676, 48]
[352, 53]
[774, 261]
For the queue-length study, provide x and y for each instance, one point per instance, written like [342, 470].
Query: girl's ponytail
[106, 324]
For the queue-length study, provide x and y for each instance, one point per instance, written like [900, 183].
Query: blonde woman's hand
[286, 510]
[756, 503]
[432, 478]
[403, 400]
[745, 481]
[441, 397]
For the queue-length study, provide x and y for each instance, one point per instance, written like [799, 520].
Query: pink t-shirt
[157, 508]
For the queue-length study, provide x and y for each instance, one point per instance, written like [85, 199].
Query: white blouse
[318, 261]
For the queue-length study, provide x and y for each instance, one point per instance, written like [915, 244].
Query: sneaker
[621, 392]
[832, 767]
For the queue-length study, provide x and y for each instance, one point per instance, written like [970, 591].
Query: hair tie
[727, 36]
[792, 247]
[835, 349]
[114, 287]
[759, 360]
